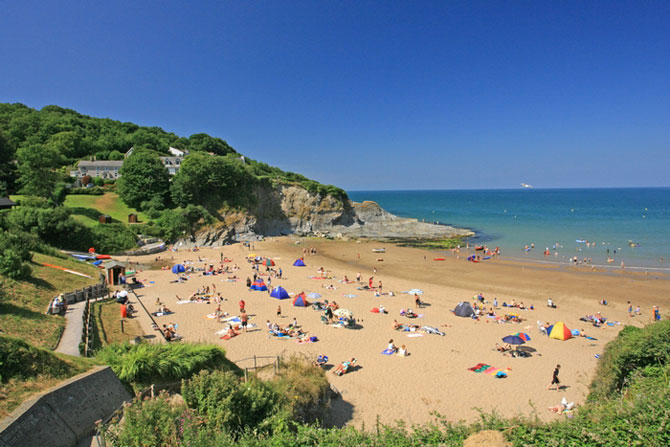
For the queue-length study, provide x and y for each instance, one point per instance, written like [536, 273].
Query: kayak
[439, 259]
[103, 257]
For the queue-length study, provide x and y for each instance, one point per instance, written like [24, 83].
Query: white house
[104, 168]
[172, 164]
[177, 152]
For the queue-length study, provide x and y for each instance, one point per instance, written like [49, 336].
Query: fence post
[277, 364]
[121, 320]
[246, 375]
[255, 367]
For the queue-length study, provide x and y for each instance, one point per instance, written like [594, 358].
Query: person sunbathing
[402, 352]
[396, 325]
[410, 314]
[343, 367]
[503, 348]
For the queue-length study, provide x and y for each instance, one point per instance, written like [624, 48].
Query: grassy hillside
[87, 209]
[23, 303]
[27, 371]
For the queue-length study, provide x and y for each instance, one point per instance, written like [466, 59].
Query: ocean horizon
[628, 225]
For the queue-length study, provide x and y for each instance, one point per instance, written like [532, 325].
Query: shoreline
[435, 376]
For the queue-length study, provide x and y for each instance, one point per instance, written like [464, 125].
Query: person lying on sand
[396, 325]
[503, 348]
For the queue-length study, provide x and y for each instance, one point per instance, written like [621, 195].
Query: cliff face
[291, 209]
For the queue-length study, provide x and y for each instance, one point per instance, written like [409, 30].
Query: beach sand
[435, 377]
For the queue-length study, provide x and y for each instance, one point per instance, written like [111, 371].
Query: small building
[132, 218]
[107, 169]
[105, 219]
[6, 203]
[172, 164]
[115, 272]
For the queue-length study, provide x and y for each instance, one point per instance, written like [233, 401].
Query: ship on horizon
[526, 185]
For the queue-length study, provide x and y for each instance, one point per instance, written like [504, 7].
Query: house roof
[6, 201]
[101, 163]
[111, 264]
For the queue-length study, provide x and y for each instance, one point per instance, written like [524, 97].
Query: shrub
[94, 191]
[112, 238]
[145, 363]
[226, 403]
[633, 349]
[304, 389]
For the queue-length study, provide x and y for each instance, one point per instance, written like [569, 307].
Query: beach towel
[185, 302]
[228, 337]
[161, 314]
[375, 310]
[388, 351]
[478, 367]
[590, 338]
[302, 341]
[414, 335]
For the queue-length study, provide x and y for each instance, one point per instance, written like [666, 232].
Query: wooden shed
[105, 219]
[132, 218]
[114, 270]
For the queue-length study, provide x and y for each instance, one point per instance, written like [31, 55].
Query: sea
[607, 226]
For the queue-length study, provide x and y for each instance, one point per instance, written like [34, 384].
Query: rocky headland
[291, 209]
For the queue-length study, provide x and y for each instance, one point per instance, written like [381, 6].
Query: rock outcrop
[291, 209]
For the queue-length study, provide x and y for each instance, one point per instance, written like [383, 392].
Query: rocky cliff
[291, 209]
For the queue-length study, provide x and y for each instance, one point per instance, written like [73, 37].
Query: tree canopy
[143, 179]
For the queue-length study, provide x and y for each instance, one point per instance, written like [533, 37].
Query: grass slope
[87, 209]
[27, 370]
[23, 303]
[106, 316]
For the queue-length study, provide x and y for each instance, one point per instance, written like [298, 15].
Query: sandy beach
[435, 376]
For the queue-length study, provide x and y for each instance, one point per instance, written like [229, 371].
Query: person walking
[555, 380]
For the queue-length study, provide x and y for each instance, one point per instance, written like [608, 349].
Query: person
[370, 282]
[380, 287]
[279, 273]
[295, 322]
[391, 346]
[279, 311]
[329, 313]
[343, 367]
[630, 309]
[244, 319]
[248, 282]
[124, 311]
[495, 302]
[503, 348]
[358, 277]
[555, 380]
[396, 325]
[402, 352]
[656, 314]
[550, 303]
[417, 301]
[242, 306]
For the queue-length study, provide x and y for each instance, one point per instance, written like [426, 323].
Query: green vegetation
[144, 181]
[628, 405]
[88, 209]
[26, 370]
[431, 244]
[23, 303]
[106, 316]
[143, 364]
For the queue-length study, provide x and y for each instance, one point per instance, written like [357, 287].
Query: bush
[227, 404]
[145, 363]
[112, 238]
[15, 254]
[304, 389]
[634, 349]
[94, 191]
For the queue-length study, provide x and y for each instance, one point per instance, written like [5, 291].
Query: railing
[93, 291]
[87, 333]
[276, 363]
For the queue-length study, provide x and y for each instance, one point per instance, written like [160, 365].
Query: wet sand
[435, 377]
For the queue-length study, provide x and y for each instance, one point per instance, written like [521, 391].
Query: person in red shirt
[370, 282]
[242, 305]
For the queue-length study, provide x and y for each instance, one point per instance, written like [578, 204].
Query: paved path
[74, 325]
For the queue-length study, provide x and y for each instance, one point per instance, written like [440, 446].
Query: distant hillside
[77, 137]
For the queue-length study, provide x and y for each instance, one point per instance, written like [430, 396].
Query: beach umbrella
[523, 335]
[314, 295]
[344, 313]
[178, 268]
[268, 262]
[513, 340]
[349, 295]
[280, 293]
[560, 331]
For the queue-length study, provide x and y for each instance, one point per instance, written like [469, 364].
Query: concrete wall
[66, 413]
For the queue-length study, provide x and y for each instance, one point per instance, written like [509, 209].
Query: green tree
[38, 166]
[211, 181]
[143, 178]
[7, 166]
[115, 155]
[206, 143]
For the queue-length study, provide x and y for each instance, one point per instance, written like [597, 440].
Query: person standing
[244, 319]
[555, 380]
[242, 306]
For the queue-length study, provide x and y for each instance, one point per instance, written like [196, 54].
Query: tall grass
[144, 363]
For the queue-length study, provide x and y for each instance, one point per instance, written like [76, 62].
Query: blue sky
[370, 95]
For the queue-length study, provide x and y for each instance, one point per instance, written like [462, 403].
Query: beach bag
[313, 339]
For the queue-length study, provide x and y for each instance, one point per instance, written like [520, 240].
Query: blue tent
[259, 285]
[300, 301]
[299, 263]
[178, 268]
[280, 293]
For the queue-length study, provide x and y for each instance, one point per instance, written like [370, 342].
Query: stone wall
[66, 413]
